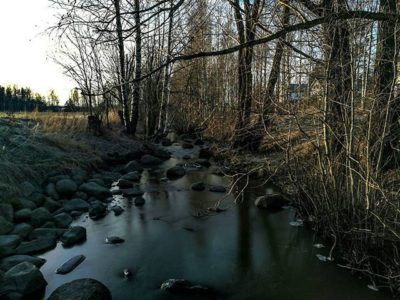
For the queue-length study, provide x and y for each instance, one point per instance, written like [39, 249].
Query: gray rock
[176, 172]
[99, 181]
[198, 186]
[132, 166]
[7, 211]
[161, 153]
[23, 215]
[82, 289]
[70, 265]
[56, 178]
[114, 240]
[51, 204]
[49, 224]
[203, 162]
[76, 214]
[218, 189]
[95, 190]
[77, 205]
[132, 176]
[132, 192]
[40, 216]
[63, 220]
[36, 246]
[7, 263]
[27, 188]
[150, 160]
[139, 201]
[8, 244]
[51, 191]
[271, 201]
[97, 210]
[66, 187]
[124, 184]
[24, 279]
[5, 226]
[37, 198]
[46, 233]
[24, 203]
[118, 210]
[73, 236]
[80, 195]
[23, 230]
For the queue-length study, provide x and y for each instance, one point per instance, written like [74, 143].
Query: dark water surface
[243, 253]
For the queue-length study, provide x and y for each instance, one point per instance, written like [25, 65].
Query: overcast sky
[24, 49]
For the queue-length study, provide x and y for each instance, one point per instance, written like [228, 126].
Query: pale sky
[24, 50]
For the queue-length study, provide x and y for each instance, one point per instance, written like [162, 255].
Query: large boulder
[150, 160]
[97, 210]
[24, 279]
[198, 186]
[139, 201]
[73, 236]
[132, 176]
[132, 166]
[66, 187]
[40, 216]
[23, 230]
[62, 220]
[24, 203]
[95, 190]
[23, 215]
[51, 204]
[7, 263]
[8, 243]
[176, 172]
[7, 211]
[46, 233]
[124, 184]
[36, 246]
[5, 226]
[37, 198]
[51, 191]
[76, 205]
[82, 289]
[271, 201]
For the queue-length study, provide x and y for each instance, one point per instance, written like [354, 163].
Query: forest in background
[312, 84]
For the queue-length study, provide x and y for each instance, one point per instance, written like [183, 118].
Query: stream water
[243, 252]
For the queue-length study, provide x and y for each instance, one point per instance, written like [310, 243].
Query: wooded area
[315, 80]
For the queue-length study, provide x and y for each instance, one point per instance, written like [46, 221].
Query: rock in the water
[97, 210]
[205, 153]
[186, 157]
[76, 205]
[176, 172]
[199, 142]
[198, 186]
[161, 153]
[24, 279]
[132, 166]
[23, 215]
[23, 230]
[51, 204]
[114, 240]
[63, 220]
[118, 210]
[8, 262]
[185, 287]
[7, 211]
[51, 191]
[95, 190]
[187, 145]
[203, 162]
[70, 265]
[218, 189]
[132, 176]
[73, 236]
[271, 201]
[134, 192]
[36, 246]
[124, 184]
[82, 289]
[150, 160]
[40, 216]
[27, 188]
[66, 187]
[139, 201]
[8, 243]
[5, 226]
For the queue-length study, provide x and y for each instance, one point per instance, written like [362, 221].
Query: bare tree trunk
[121, 50]
[138, 70]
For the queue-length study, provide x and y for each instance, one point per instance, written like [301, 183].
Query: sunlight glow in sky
[24, 48]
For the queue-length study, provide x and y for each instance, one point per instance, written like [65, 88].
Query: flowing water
[243, 252]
